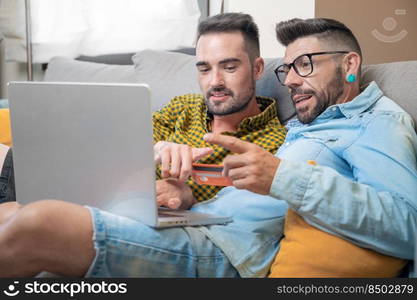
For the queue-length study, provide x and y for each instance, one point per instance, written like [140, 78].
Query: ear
[352, 63]
[258, 67]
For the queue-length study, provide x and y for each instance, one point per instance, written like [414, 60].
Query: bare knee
[8, 210]
[30, 219]
[19, 237]
[25, 228]
[51, 235]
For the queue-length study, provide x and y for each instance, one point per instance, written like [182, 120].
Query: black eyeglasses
[303, 65]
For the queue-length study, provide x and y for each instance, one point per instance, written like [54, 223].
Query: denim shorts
[7, 187]
[128, 248]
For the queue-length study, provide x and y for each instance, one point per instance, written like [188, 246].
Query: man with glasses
[348, 164]
[303, 66]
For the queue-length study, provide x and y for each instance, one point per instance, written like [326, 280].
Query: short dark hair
[327, 30]
[230, 22]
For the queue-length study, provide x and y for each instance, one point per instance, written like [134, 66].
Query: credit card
[210, 175]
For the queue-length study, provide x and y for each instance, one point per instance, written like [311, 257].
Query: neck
[349, 94]
[231, 122]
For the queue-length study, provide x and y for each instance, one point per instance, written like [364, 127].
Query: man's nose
[293, 79]
[217, 79]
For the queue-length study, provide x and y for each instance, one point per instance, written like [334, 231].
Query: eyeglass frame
[309, 55]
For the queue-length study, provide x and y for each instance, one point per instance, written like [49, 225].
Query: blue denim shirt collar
[362, 102]
[356, 106]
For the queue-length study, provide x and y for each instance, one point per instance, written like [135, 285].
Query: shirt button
[287, 143]
[334, 109]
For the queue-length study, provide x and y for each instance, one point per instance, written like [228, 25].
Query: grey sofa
[170, 74]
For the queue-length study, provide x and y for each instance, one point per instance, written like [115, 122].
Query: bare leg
[7, 210]
[48, 235]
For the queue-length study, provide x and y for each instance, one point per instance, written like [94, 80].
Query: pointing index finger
[229, 142]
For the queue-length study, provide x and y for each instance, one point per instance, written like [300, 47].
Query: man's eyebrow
[201, 63]
[229, 60]
[222, 62]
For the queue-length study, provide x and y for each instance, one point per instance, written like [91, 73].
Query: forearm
[383, 221]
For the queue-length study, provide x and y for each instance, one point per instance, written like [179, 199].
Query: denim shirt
[364, 186]
[363, 189]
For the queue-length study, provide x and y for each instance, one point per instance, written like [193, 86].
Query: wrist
[189, 199]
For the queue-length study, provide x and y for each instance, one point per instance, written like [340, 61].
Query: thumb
[174, 203]
[157, 158]
[198, 153]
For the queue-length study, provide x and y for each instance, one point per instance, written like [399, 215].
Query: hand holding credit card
[210, 174]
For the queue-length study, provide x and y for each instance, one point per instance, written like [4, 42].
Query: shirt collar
[362, 102]
[268, 112]
[356, 106]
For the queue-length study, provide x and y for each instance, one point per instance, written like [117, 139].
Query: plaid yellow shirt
[185, 120]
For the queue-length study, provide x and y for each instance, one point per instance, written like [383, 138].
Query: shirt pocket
[321, 140]
[320, 137]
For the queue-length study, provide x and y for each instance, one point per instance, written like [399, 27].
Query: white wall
[267, 13]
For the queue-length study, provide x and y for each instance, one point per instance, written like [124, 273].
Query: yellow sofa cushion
[306, 251]
[5, 132]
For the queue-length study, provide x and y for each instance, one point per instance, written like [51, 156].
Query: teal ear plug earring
[351, 78]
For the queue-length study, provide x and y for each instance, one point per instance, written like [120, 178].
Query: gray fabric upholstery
[170, 74]
[269, 86]
[68, 69]
[111, 59]
[124, 58]
[398, 80]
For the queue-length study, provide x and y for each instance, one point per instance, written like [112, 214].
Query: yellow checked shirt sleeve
[164, 120]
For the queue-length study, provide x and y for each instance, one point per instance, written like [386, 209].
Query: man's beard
[230, 106]
[324, 99]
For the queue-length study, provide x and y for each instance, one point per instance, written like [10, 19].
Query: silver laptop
[90, 144]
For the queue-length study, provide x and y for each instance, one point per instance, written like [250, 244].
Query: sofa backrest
[171, 74]
[398, 80]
